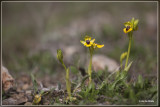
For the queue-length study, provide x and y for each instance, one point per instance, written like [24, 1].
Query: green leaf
[35, 84]
[100, 73]
[117, 74]
[82, 83]
[102, 85]
[127, 24]
[132, 96]
[128, 67]
[136, 28]
[114, 84]
[123, 75]
[140, 81]
[84, 79]
[132, 21]
[120, 79]
[136, 22]
[91, 86]
[73, 70]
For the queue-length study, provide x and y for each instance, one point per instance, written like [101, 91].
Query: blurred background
[33, 31]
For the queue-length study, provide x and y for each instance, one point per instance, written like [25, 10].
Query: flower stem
[90, 66]
[129, 48]
[121, 64]
[68, 83]
[64, 66]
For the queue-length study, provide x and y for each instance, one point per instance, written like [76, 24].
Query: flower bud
[37, 99]
[123, 56]
[60, 55]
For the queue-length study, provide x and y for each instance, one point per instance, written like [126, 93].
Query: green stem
[90, 66]
[64, 66]
[129, 48]
[68, 83]
[121, 64]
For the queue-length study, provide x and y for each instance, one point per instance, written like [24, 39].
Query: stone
[7, 79]
[100, 62]
[16, 100]
[25, 86]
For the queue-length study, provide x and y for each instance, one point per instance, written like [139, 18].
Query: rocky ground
[32, 33]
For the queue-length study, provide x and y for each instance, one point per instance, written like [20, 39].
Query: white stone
[100, 62]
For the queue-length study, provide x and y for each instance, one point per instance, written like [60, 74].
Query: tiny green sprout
[130, 26]
[68, 82]
[35, 84]
[88, 42]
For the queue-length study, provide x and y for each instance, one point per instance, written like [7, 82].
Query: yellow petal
[83, 42]
[129, 30]
[88, 45]
[37, 99]
[100, 46]
[92, 41]
[87, 38]
[124, 30]
[127, 24]
[94, 45]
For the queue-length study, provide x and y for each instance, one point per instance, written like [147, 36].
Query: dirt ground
[32, 33]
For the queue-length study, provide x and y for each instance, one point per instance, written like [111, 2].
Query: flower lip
[87, 41]
[127, 28]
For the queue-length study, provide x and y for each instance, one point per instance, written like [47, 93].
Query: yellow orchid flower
[37, 99]
[131, 25]
[127, 29]
[88, 42]
[92, 46]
